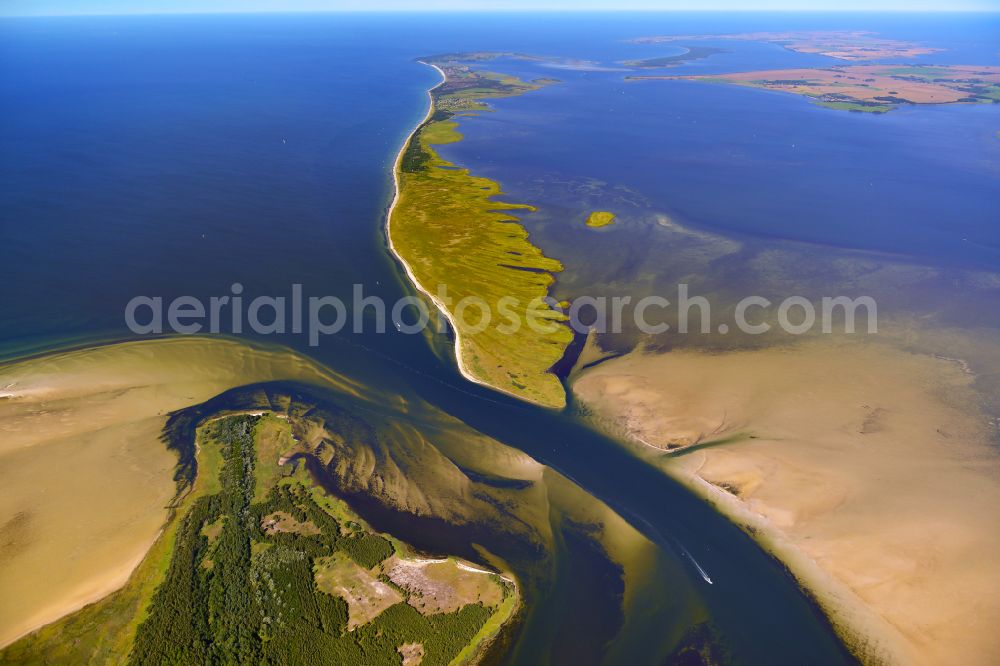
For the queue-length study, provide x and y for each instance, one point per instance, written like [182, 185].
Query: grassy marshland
[451, 232]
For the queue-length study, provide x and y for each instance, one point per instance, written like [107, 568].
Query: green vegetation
[203, 614]
[988, 93]
[600, 218]
[220, 587]
[923, 72]
[491, 628]
[262, 605]
[454, 236]
[860, 107]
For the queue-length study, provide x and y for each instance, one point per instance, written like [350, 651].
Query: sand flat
[86, 478]
[869, 470]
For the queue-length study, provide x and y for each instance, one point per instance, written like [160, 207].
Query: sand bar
[869, 470]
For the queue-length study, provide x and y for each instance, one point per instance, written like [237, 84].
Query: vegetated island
[600, 218]
[690, 54]
[268, 567]
[259, 564]
[852, 45]
[871, 88]
[448, 230]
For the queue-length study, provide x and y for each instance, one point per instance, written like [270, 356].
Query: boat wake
[673, 544]
[704, 574]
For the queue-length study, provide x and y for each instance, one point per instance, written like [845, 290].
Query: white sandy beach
[423, 289]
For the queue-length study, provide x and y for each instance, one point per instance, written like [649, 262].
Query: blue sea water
[177, 155]
[922, 182]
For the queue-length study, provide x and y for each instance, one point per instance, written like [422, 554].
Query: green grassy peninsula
[458, 243]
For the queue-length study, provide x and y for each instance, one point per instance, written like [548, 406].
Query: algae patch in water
[600, 218]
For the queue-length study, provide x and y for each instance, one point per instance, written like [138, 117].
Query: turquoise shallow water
[175, 156]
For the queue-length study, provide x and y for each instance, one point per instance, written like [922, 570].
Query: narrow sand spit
[870, 471]
[85, 477]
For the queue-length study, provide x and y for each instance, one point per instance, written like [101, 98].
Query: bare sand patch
[443, 586]
[869, 470]
[85, 477]
[412, 653]
[281, 521]
[366, 595]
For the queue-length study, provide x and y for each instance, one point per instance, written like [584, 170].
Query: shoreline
[459, 360]
[853, 621]
[92, 592]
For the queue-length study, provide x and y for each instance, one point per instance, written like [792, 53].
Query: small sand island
[872, 88]
[852, 45]
[600, 218]
[449, 231]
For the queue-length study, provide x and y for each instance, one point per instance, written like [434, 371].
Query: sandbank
[870, 471]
